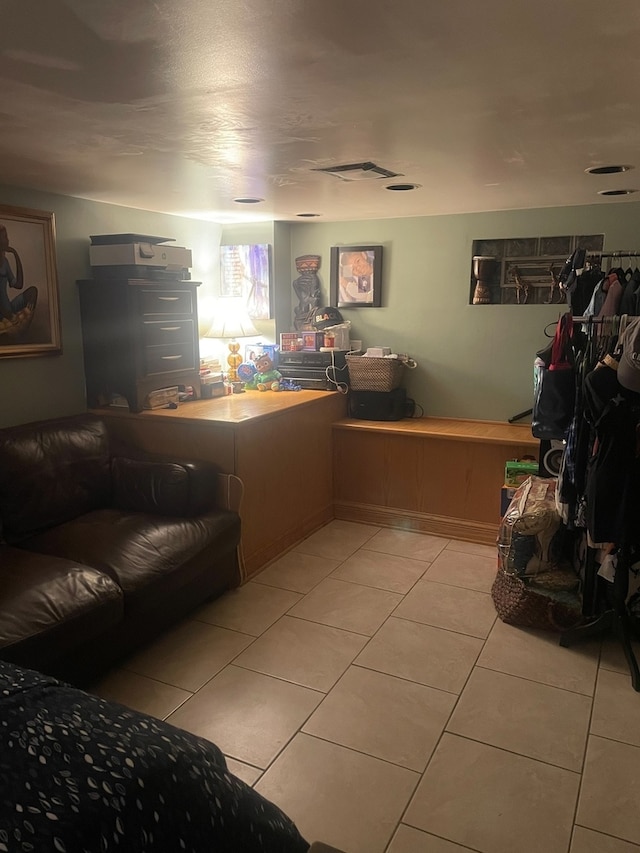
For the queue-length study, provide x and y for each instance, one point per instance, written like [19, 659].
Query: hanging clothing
[629, 302]
[613, 478]
[597, 299]
[611, 305]
[580, 292]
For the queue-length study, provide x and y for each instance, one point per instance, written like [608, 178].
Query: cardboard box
[209, 390]
[141, 254]
[515, 473]
[289, 341]
[312, 341]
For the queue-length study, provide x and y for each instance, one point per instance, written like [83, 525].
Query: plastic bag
[534, 586]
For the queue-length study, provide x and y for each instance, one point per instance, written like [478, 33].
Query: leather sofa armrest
[164, 488]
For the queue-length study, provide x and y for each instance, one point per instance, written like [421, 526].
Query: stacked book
[211, 378]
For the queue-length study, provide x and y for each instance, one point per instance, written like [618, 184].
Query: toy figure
[266, 378]
[246, 371]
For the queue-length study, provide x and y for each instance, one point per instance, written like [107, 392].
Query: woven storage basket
[374, 374]
[519, 604]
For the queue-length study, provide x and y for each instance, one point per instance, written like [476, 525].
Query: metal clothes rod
[619, 254]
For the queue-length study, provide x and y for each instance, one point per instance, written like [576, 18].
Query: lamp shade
[231, 320]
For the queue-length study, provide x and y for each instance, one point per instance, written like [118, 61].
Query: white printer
[138, 250]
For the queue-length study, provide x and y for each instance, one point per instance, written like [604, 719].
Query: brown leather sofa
[102, 549]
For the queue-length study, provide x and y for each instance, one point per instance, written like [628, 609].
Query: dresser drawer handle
[169, 328]
[168, 298]
[170, 357]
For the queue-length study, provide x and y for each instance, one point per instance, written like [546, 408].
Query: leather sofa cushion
[52, 472]
[49, 604]
[165, 488]
[142, 553]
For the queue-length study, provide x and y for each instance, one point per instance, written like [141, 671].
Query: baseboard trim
[479, 532]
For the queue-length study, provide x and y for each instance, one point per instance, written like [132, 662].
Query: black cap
[327, 317]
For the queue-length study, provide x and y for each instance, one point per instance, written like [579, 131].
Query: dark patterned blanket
[81, 775]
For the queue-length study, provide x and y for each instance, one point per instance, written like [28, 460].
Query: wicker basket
[374, 374]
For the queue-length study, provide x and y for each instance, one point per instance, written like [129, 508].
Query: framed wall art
[245, 271]
[524, 270]
[356, 276]
[29, 299]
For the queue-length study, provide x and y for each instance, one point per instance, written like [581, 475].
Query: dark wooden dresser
[139, 335]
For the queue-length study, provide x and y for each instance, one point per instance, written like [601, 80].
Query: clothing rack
[606, 612]
[613, 620]
[621, 253]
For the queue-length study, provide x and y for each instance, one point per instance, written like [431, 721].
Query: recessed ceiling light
[308, 215]
[607, 170]
[248, 200]
[616, 192]
[401, 188]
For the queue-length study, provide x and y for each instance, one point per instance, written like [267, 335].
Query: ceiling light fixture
[616, 192]
[248, 200]
[401, 188]
[308, 215]
[607, 170]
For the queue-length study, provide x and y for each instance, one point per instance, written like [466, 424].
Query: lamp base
[234, 360]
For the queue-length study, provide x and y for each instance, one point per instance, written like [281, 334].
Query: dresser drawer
[164, 359]
[166, 302]
[167, 332]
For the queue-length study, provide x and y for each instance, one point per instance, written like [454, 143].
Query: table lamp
[231, 321]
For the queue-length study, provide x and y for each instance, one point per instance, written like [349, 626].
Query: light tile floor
[363, 683]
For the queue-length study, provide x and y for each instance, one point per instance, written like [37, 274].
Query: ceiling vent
[358, 172]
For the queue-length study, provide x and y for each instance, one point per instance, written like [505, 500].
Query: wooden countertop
[231, 410]
[453, 429]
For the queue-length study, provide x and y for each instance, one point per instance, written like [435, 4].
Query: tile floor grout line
[362, 752]
[281, 678]
[614, 740]
[416, 773]
[371, 586]
[334, 627]
[402, 678]
[512, 752]
[606, 835]
[444, 728]
[177, 708]
[434, 835]
[404, 556]
[534, 680]
[454, 585]
[323, 695]
[441, 628]
[152, 678]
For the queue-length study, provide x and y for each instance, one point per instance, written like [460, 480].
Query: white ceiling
[182, 105]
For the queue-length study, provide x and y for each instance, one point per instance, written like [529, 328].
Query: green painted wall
[473, 361]
[53, 386]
